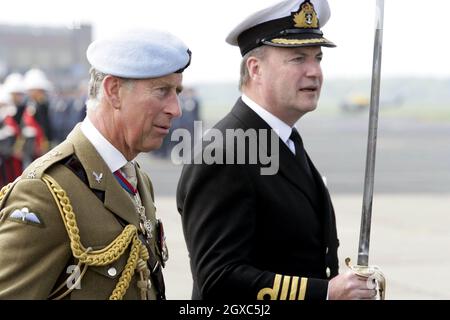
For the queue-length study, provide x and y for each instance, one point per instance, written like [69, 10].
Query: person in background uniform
[24, 146]
[14, 85]
[190, 112]
[252, 236]
[67, 111]
[78, 110]
[190, 105]
[10, 162]
[35, 121]
[80, 222]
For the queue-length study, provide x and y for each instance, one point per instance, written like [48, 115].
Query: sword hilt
[370, 272]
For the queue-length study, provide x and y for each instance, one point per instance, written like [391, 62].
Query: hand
[349, 286]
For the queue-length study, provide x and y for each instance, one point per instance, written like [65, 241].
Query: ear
[111, 88]
[253, 65]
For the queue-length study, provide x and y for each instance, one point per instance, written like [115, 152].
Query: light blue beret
[139, 54]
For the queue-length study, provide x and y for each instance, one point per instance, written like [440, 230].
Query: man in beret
[80, 222]
[253, 236]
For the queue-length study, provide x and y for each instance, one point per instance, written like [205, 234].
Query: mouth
[164, 128]
[309, 89]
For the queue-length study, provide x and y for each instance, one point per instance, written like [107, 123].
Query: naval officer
[253, 236]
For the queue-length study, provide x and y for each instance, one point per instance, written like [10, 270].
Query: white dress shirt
[281, 128]
[113, 157]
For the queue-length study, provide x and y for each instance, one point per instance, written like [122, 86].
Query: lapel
[289, 168]
[145, 194]
[116, 198]
[324, 199]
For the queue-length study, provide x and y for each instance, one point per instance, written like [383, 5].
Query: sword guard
[372, 272]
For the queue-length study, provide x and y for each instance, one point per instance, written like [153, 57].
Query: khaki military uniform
[61, 219]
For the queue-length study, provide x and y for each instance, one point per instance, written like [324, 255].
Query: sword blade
[366, 216]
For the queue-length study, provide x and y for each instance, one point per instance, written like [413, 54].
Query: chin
[156, 145]
[153, 145]
[308, 108]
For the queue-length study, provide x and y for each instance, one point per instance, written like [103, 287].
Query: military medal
[162, 242]
[145, 224]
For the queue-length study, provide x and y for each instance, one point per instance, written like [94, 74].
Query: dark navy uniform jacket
[253, 236]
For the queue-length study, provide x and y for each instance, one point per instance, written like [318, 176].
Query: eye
[162, 91]
[298, 59]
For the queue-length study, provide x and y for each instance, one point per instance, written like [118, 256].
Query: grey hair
[95, 92]
[258, 52]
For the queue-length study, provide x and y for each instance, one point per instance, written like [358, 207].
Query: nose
[173, 107]
[314, 70]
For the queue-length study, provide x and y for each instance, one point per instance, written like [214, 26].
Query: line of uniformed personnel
[33, 118]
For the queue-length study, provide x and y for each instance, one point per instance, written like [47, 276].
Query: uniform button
[328, 272]
[112, 271]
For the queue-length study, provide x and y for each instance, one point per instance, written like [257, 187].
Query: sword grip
[370, 272]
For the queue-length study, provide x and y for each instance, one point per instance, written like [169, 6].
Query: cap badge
[306, 17]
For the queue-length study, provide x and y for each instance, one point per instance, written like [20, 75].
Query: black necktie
[300, 153]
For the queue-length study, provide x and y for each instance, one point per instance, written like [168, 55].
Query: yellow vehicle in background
[355, 103]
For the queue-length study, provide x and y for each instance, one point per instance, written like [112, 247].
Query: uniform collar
[99, 177]
[113, 158]
[283, 130]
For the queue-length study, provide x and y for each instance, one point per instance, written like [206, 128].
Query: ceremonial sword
[363, 268]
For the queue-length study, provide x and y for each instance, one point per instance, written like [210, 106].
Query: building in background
[58, 51]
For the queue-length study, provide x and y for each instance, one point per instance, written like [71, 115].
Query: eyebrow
[307, 53]
[167, 84]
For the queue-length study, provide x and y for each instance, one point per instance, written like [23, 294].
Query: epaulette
[38, 167]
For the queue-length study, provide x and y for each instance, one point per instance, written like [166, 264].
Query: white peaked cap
[36, 79]
[14, 83]
[289, 23]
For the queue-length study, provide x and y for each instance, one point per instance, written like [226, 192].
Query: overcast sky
[416, 32]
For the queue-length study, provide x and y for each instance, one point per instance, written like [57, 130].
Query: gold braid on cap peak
[104, 256]
[298, 41]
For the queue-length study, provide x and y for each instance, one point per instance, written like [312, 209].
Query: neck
[106, 125]
[271, 107]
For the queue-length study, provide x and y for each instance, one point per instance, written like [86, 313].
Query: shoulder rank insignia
[24, 215]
